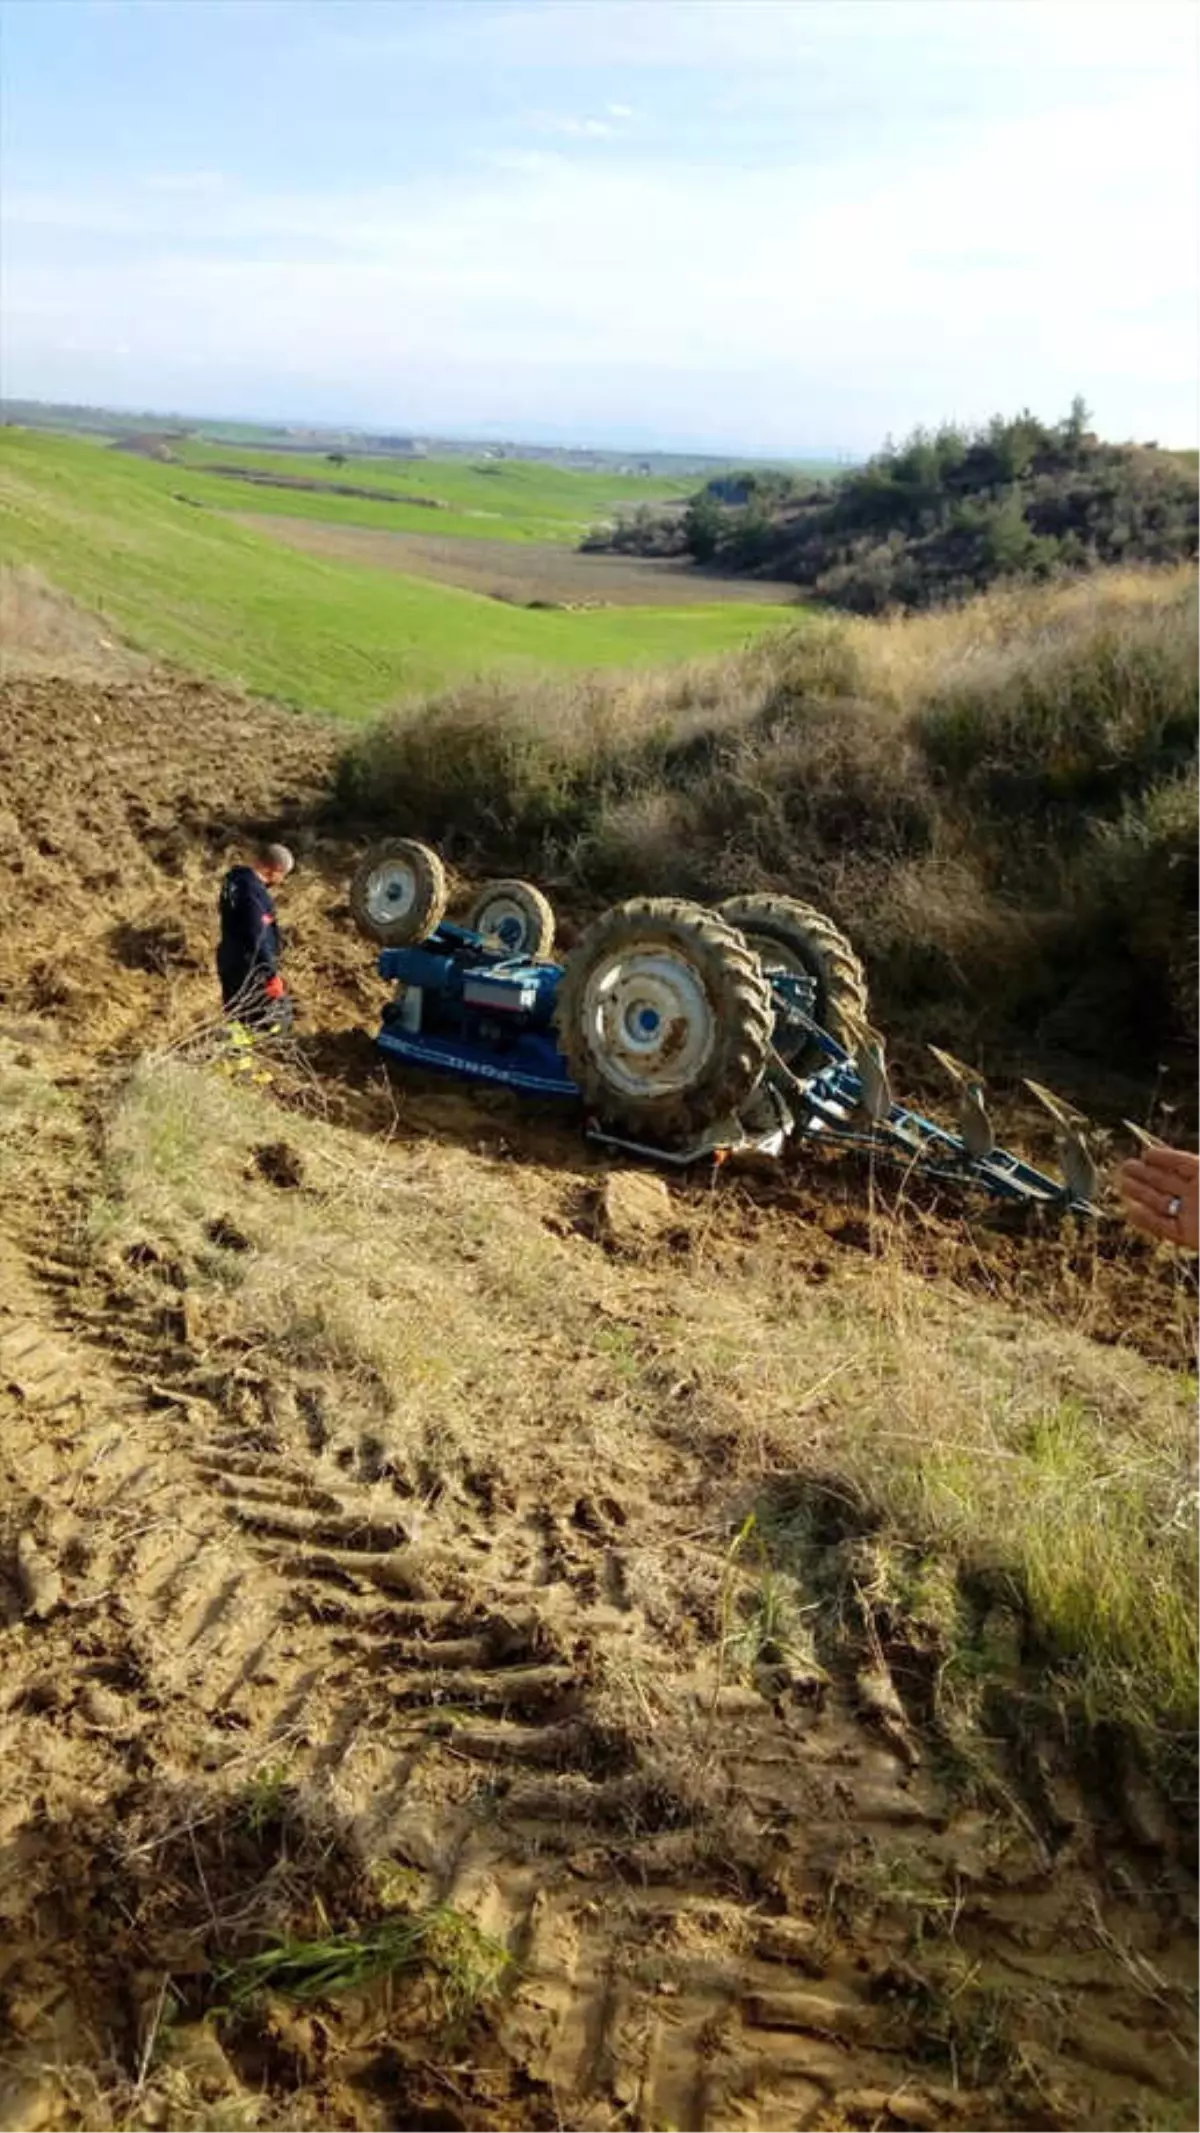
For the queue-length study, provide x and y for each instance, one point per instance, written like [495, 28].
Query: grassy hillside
[945, 515]
[998, 803]
[184, 583]
[512, 516]
[503, 499]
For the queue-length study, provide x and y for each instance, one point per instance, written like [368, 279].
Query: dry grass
[903, 660]
[44, 632]
[948, 786]
[421, 1289]
[38, 1120]
[447, 1296]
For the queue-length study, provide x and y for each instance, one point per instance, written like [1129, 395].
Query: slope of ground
[474, 1660]
[185, 583]
[504, 499]
[996, 802]
[43, 632]
[530, 573]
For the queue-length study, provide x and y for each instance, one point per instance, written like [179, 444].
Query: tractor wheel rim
[649, 1022]
[391, 892]
[503, 918]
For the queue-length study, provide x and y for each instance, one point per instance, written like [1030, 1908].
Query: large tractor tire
[788, 935]
[515, 914]
[398, 895]
[664, 1017]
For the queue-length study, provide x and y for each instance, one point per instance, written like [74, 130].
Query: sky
[784, 227]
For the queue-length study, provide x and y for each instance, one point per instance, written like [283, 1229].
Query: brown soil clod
[280, 1164]
[38, 1578]
[632, 1212]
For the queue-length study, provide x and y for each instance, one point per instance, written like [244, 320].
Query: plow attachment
[849, 1101]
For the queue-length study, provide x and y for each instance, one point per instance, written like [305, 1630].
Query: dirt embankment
[120, 803]
[387, 1570]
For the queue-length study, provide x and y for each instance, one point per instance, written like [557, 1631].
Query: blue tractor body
[466, 1008]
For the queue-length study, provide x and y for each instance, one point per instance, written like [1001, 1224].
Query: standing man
[248, 957]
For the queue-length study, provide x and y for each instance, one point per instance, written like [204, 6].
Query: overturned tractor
[684, 1033]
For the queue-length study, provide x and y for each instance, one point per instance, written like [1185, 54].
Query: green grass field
[184, 583]
[518, 523]
[503, 499]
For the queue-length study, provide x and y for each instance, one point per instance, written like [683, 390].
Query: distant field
[189, 584]
[503, 499]
[524, 571]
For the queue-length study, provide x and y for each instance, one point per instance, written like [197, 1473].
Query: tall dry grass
[446, 1307]
[996, 801]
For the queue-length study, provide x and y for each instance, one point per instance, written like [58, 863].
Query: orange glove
[274, 988]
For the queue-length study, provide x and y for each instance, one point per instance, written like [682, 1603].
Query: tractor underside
[682, 1034]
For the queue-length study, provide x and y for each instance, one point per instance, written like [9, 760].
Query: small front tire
[516, 915]
[398, 895]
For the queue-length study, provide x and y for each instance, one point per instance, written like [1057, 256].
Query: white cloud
[588, 129]
[780, 308]
[694, 36]
[200, 182]
[620, 111]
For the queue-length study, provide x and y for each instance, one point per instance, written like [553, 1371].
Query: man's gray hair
[277, 855]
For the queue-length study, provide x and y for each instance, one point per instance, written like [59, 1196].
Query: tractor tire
[398, 895]
[515, 914]
[788, 935]
[664, 1017]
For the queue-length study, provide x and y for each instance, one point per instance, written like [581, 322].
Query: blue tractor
[682, 1032]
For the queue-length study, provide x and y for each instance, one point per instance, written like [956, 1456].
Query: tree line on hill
[939, 517]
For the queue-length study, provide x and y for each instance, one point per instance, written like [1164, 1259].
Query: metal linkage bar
[833, 1105]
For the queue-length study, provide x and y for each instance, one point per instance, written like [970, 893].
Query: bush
[1073, 718]
[995, 801]
[1138, 886]
[944, 515]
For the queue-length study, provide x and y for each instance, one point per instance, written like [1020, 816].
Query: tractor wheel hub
[650, 1019]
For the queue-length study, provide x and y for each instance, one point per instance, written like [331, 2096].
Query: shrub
[996, 801]
[946, 514]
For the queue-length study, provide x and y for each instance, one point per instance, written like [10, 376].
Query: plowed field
[420, 1545]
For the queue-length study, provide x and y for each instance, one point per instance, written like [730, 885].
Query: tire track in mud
[651, 1982]
[720, 1905]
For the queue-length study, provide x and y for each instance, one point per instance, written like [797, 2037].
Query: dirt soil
[258, 478]
[524, 572]
[41, 632]
[248, 1651]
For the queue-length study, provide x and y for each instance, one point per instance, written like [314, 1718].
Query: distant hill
[645, 463]
[939, 517]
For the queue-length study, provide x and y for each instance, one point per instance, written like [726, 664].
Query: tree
[703, 525]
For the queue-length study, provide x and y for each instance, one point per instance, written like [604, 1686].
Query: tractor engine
[461, 1006]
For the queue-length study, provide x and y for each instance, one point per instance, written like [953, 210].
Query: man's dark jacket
[251, 944]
